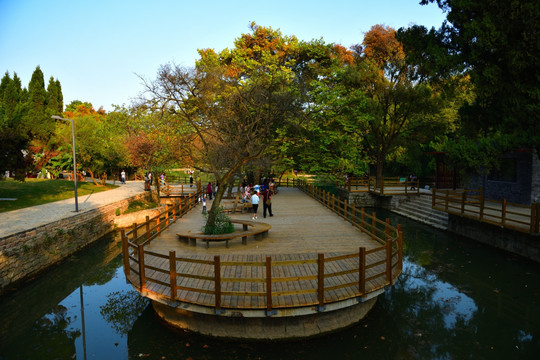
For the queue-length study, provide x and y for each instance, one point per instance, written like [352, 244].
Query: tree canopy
[496, 43]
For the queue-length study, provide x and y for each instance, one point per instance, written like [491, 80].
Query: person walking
[123, 177]
[190, 180]
[209, 190]
[255, 204]
[267, 202]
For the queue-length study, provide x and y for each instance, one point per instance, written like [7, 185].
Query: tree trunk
[379, 171]
[93, 178]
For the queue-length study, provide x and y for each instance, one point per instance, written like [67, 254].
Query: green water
[456, 299]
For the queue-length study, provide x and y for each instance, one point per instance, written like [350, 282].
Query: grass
[137, 205]
[34, 192]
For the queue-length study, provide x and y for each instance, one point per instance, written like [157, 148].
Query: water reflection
[456, 299]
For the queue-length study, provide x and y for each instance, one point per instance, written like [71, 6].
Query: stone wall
[519, 190]
[512, 241]
[25, 254]
[360, 199]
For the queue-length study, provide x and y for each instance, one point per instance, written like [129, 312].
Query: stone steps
[419, 208]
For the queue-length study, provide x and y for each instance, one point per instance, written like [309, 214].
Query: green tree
[99, 143]
[400, 108]
[13, 137]
[55, 104]
[497, 44]
[233, 102]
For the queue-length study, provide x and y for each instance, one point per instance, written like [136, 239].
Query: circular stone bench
[249, 228]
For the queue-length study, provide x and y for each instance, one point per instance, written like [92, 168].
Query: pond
[456, 299]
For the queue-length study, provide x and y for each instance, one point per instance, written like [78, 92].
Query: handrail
[215, 282]
[473, 205]
[390, 185]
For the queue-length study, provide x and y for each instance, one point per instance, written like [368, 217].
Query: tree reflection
[50, 338]
[122, 310]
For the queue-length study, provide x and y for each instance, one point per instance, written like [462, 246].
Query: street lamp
[74, 159]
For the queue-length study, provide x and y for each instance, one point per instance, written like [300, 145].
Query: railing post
[533, 218]
[418, 186]
[158, 220]
[389, 261]
[463, 199]
[217, 282]
[387, 229]
[349, 185]
[333, 202]
[125, 251]
[446, 200]
[482, 200]
[147, 226]
[320, 281]
[172, 273]
[180, 214]
[142, 276]
[135, 236]
[353, 213]
[400, 247]
[268, 285]
[374, 224]
[345, 205]
[362, 271]
[175, 210]
[406, 184]
[182, 189]
[503, 213]
[167, 210]
[433, 197]
[362, 221]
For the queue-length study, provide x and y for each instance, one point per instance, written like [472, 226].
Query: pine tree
[37, 122]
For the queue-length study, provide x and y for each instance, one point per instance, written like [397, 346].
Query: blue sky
[96, 47]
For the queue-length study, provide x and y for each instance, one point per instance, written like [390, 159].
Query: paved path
[300, 225]
[13, 222]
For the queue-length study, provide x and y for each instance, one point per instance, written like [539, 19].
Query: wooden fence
[472, 204]
[390, 185]
[179, 187]
[264, 282]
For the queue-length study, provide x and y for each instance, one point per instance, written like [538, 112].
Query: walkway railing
[179, 187]
[390, 185]
[268, 283]
[473, 205]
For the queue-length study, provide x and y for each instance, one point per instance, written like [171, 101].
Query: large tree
[497, 43]
[399, 107]
[14, 138]
[233, 102]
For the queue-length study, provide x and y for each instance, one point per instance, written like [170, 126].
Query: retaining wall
[516, 242]
[27, 253]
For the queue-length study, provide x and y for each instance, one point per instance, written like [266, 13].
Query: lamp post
[74, 159]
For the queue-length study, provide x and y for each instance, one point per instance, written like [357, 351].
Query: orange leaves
[382, 47]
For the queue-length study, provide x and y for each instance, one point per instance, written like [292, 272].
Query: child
[255, 203]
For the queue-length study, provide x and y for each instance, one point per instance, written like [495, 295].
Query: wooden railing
[262, 282]
[472, 204]
[289, 182]
[390, 185]
[179, 187]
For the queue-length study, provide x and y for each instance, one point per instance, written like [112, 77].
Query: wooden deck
[311, 257]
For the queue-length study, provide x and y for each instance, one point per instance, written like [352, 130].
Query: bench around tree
[249, 228]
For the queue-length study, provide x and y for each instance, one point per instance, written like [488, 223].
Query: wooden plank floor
[301, 228]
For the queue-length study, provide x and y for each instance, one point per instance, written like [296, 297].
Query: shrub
[222, 225]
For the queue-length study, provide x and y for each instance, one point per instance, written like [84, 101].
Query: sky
[100, 49]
